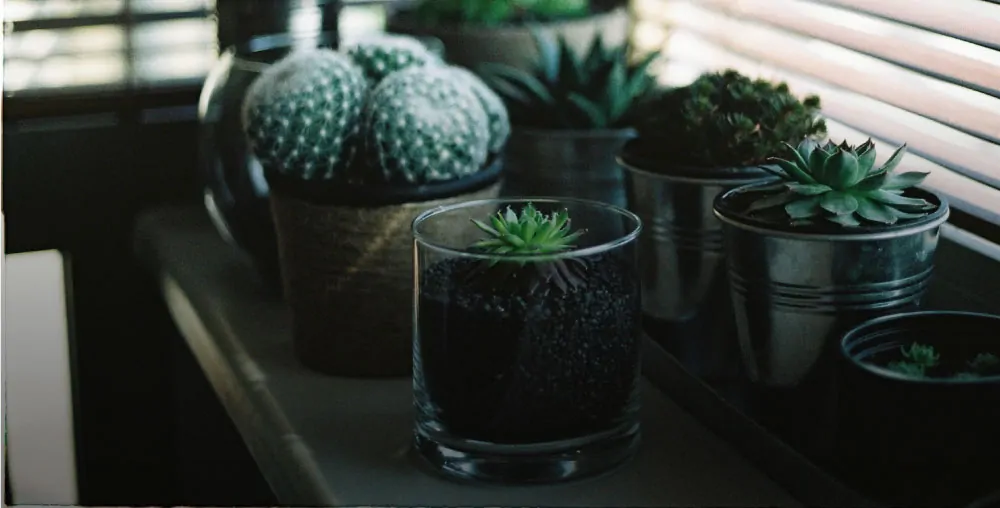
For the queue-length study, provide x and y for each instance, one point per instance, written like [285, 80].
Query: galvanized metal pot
[573, 163]
[685, 294]
[796, 290]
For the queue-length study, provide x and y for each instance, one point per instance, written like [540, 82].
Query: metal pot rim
[727, 176]
[733, 218]
[904, 319]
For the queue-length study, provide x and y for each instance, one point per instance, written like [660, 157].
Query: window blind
[923, 72]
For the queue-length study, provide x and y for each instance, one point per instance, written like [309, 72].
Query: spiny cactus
[302, 114]
[494, 12]
[383, 54]
[423, 125]
[532, 238]
[597, 91]
[842, 185]
[725, 119]
[494, 106]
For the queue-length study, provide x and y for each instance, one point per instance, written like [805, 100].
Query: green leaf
[776, 170]
[817, 165]
[906, 215]
[847, 220]
[792, 170]
[524, 81]
[841, 170]
[498, 224]
[905, 180]
[808, 189]
[804, 208]
[894, 159]
[866, 157]
[872, 182]
[803, 150]
[548, 52]
[839, 203]
[889, 198]
[772, 201]
[596, 117]
[486, 229]
[876, 212]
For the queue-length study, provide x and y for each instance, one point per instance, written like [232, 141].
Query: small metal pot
[572, 163]
[938, 436]
[682, 251]
[795, 290]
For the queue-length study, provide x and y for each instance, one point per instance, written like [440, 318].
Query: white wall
[37, 405]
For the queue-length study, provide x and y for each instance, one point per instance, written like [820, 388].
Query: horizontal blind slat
[963, 192]
[971, 20]
[938, 55]
[949, 147]
[962, 108]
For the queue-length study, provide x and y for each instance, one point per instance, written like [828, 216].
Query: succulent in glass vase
[354, 145]
[527, 344]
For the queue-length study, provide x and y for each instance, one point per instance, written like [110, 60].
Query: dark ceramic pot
[921, 441]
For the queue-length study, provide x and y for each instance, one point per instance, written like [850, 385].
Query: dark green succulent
[841, 184]
[725, 119]
[597, 90]
[518, 242]
[918, 359]
[497, 12]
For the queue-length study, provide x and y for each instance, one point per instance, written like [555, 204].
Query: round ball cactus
[302, 115]
[494, 106]
[383, 54]
[423, 125]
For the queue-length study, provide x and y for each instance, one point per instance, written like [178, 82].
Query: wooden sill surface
[323, 440]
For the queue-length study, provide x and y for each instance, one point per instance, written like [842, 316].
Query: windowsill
[322, 440]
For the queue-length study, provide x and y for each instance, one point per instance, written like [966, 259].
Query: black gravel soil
[505, 364]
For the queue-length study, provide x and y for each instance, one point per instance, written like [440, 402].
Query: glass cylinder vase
[526, 369]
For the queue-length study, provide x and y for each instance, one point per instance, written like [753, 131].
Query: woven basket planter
[347, 270]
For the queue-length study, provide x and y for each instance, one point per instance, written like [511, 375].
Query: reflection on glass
[178, 32]
[192, 64]
[358, 20]
[38, 44]
[65, 72]
[21, 10]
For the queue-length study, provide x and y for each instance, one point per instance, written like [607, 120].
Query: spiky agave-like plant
[532, 238]
[841, 184]
[598, 90]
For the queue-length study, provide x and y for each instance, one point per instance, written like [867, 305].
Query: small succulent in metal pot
[725, 119]
[841, 184]
[598, 90]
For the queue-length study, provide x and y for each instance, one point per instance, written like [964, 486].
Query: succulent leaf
[726, 119]
[526, 233]
[596, 90]
[840, 185]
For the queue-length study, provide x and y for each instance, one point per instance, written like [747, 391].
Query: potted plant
[695, 142]
[570, 116]
[836, 240]
[920, 397]
[478, 31]
[526, 354]
[354, 145]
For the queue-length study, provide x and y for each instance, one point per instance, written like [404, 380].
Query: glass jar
[255, 35]
[517, 376]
